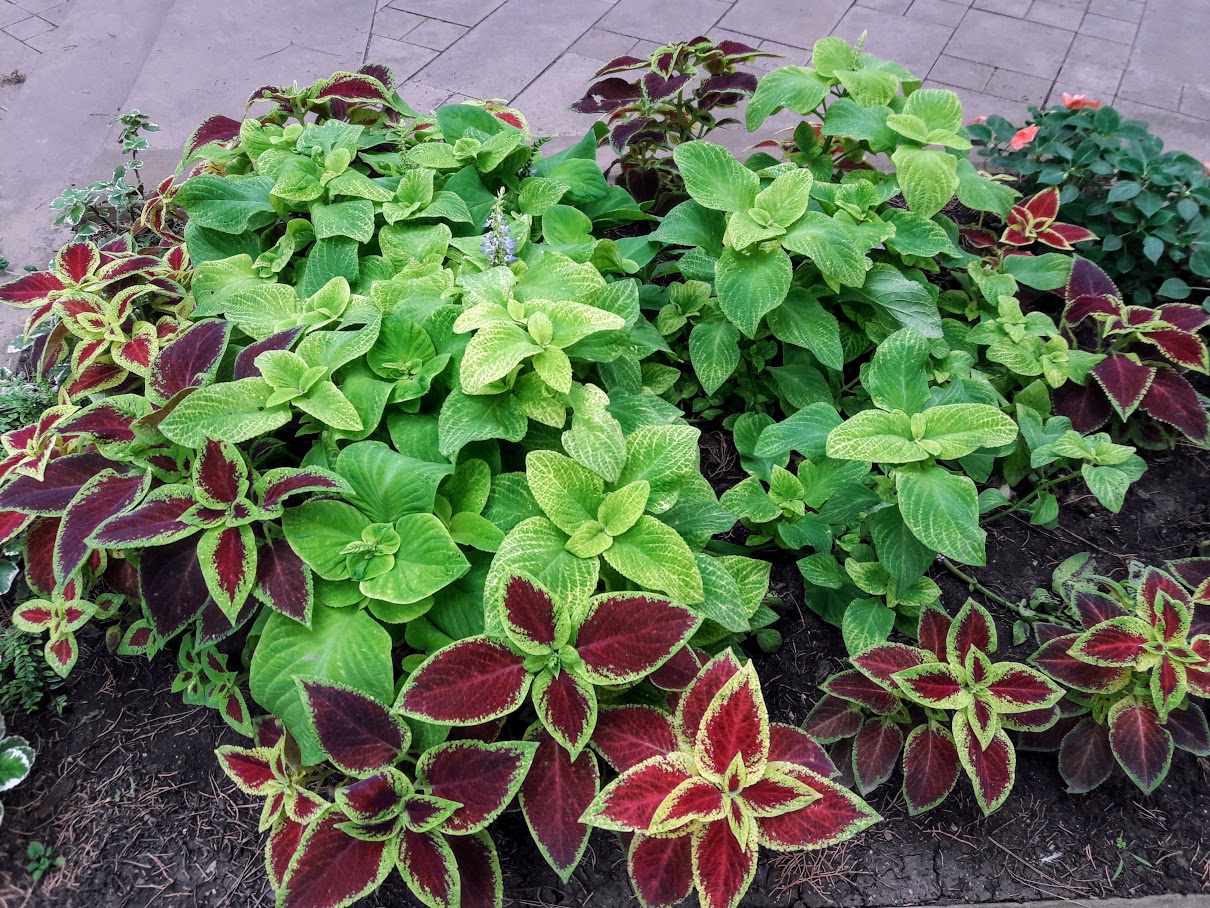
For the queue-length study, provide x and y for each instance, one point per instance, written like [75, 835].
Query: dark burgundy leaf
[1089, 290]
[1054, 658]
[478, 869]
[215, 128]
[627, 735]
[832, 719]
[743, 83]
[245, 363]
[354, 89]
[620, 64]
[283, 581]
[875, 752]
[1170, 399]
[334, 869]
[662, 869]
[190, 359]
[358, 734]
[39, 556]
[627, 636]
[62, 480]
[1085, 757]
[104, 422]
[621, 134]
[482, 778]
[1184, 316]
[1085, 405]
[1189, 729]
[173, 586]
[529, 613]
[678, 672]
[554, 796]
[108, 494]
[1093, 608]
[1124, 381]
[466, 683]
[657, 88]
[1181, 347]
[1141, 745]
[606, 95]
[154, 520]
[858, 688]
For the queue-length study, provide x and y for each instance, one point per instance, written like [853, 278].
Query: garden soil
[127, 790]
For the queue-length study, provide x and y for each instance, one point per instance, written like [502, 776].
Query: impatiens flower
[973, 121]
[1035, 221]
[1079, 102]
[1023, 138]
[702, 792]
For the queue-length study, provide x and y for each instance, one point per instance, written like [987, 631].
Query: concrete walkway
[66, 66]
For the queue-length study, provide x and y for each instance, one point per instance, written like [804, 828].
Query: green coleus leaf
[666, 457]
[569, 493]
[655, 556]
[319, 532]
[982, 193]
[714, 178]
[595, 438]
[231, 411]
[951, 431]
[494, 351]
[797, 88]
[385, 485]
[927, 178]
[830, 245]
[750, 284]
[621, 509]
[866, 624]
[895, 377]
[876, 436]
[803, 321]
[230, 204]
[714, 352]
[942, 510]
[428, 561]
[466, 418]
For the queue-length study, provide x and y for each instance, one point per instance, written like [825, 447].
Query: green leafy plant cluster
[1147, 206]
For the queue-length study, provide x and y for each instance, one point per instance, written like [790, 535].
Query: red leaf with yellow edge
[1116, 642]
[723, 868]
[281, 848]
[1093, 608]
[695, 701]
[788, 744]
[972, 628]
[39, 550]
[220, 474]
[832, 719]
[61, 482]
[156, 522]
[1043, 206]
[531, 619]
[1085, 757]
[735, 726]
[626, 636]
[30, 289]
[374, 798]
[1124, 382]
[776, 793]
[283, 581]
[190, 360]
[356, 732]
[556, 792]
[858, 688]
[1181, 347]
[61, 653]
[1015, 688]
[693, 801]
[933, 684]
[933, 632]
[630, 802]
[251, 769]
[1172, 400]
[875, 753]
[567, 707]
[482, 883]
[1090, 290]
[661, 869]
[105, 495]
[992, 769]
[428, 866]
[679, 671]
[627, 735]
[483, 778]
[1054, 657]
[1140, 743]
[930, 767]
[835, 816]
[466, 683]
[885, 660]
[1155, 582]
[227, 556]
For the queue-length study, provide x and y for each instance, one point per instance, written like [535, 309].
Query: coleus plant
[671, 97]
[702, 791]
[1133, 668]
[558, 651]
[957, 702]
[1145, 352]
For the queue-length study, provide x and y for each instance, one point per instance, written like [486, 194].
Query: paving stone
[1180, 132]
[942, 12]
[28, 28]
[1109, 29]
[790, 55]
[394, 23]
[989, 38]
[665, 20]
[512, 46]
[899, 7]
[462, 12]
[603, 45]
[15, 56]
[1158, 87]
[1015, 86]
[57, 14]
[10, 14]
[1056, 14]
[1092, 79]
[965, 73]
[912, 43]
[37, 6]
[403, 58]
[1172, 39]
[789, 21]
[436, 34]
[47, 42]
[1128, 10]
[1195, 102]
[1098, 50]
[1014, 8]
[643, 49]
[546, 101]
[423, 98]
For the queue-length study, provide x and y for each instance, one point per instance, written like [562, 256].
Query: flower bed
[388, 428]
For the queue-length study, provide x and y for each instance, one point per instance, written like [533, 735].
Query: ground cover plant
[385, 429]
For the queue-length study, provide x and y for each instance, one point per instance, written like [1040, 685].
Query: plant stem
[1040, 487]
[1018, 608]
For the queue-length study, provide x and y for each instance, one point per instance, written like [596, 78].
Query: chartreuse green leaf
[830, 245]
[895, 376]
[655, 556]
[876, 436]
[803, 321]
[230, 204]
[569, 493]
[942, 511]
[928, 178]
[714, 352]
[751, 283]
[866, 624]
[714, 178]
[342, 646]
[231, 411]
[951, 431]
[798, 88]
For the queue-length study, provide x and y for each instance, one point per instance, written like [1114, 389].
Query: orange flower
[1078, 102]
[974, 120]
[1023, 138]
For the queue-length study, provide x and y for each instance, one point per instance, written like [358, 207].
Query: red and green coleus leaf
[190, 360]
[172, 586]
[1090, 291]
[1173, 400]
[930, 767]
[833, 719]
[533, 621]
[1094, 607]
[1124, 381]
[356, 732]
[875, 752]
[1015, 688]
[1199, 671]
[1164, 604]
[39, 549]
[735, 726]
[1085, 756]
[1189, 729]
[626, 636]
[482, 778]
[1169, 684]
[428, 866]
[380, 797]
[1055, 658]
[630, 802]
[697, 698]
[227, 556]
[158, 520]
[284, 581]
[1117, 642]
[972, 628]
[836, 815]
[788, 744]
[933, 684]
[333, 869]
[857, 688]
[556, 792]
[679, 671]
[933, 632]
[661, 869]
[692, 802]
[220, 476]
[627, 735]
[1140, 742]
[60, 483]
[884, 661]
[1183, 348]
[466, 683]
[567, 706]
[723, 867]
[991, 769]
[276, 485]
